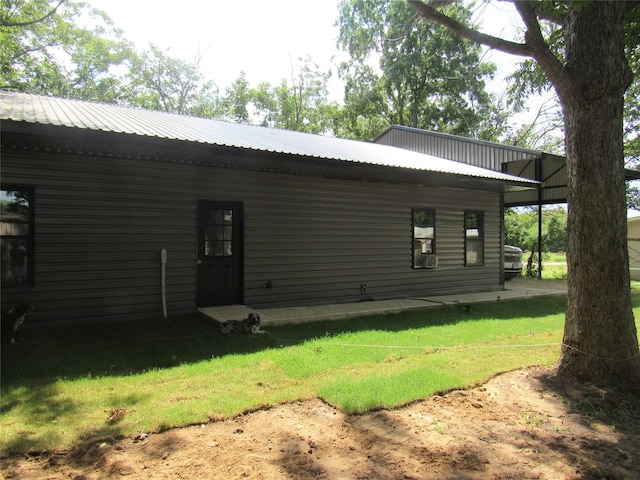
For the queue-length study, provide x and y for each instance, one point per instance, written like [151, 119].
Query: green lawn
[559, 257]
[62, 385]
[554, 265]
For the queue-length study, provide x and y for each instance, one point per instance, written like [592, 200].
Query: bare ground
[524, 424]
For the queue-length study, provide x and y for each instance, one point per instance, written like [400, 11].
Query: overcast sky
[262, 37]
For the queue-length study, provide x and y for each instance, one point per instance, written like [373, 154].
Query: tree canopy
[43, 50]
[412, 73]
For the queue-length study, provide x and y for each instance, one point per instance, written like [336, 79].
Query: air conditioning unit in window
[430, 261]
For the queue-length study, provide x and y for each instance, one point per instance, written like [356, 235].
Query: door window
[219, 233]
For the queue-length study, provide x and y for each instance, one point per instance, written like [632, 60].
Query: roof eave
[45, 137]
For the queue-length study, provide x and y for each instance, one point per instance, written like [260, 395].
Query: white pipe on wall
[163, 283]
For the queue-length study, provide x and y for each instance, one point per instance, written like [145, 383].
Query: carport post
[539, 178]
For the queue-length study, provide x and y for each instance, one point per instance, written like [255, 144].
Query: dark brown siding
[101, 223]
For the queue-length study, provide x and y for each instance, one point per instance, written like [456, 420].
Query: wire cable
[606, 359]
[439, 348]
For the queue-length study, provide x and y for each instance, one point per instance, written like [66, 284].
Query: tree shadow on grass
[45, 407]
[42, 405]
[126, 348]
[31, 368]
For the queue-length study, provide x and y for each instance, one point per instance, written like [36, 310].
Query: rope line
[608, 359]
[432, 347]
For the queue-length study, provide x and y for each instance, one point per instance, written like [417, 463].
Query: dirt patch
[520, 425]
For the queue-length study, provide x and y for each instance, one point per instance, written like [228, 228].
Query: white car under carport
[512, 262]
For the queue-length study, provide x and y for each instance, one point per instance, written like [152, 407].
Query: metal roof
[549, 170]
[43, 110]
[480, 153]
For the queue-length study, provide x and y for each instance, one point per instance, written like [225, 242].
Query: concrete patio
[517, 288]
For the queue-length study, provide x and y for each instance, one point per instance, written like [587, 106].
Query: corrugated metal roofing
[550, 170]
[481, 153]
[20, 107]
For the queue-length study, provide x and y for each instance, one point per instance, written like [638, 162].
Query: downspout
[163, 283]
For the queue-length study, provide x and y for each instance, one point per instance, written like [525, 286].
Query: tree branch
[550, 17]
[6, 23]
[547, 11]
[540, 50]
[534, 46]
[430, 13]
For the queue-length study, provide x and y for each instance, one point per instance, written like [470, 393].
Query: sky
[263, 38]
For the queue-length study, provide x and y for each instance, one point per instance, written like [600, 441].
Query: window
[473, 238]
[424, 236]
[16, 236]
[218, 233]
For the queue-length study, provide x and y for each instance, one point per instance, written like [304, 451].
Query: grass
[64, 385]
[559, 257]
[554, 265]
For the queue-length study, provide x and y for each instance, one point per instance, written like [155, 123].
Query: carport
[551, 171]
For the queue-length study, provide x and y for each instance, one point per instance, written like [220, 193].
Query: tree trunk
[600, 340]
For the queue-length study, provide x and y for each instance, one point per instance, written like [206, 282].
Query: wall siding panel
[101, 223]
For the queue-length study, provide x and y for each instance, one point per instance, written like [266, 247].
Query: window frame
[480, 237]
[29, 238]
[421, 265]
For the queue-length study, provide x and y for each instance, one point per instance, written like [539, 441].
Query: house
[633, 244]
[113, 213]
